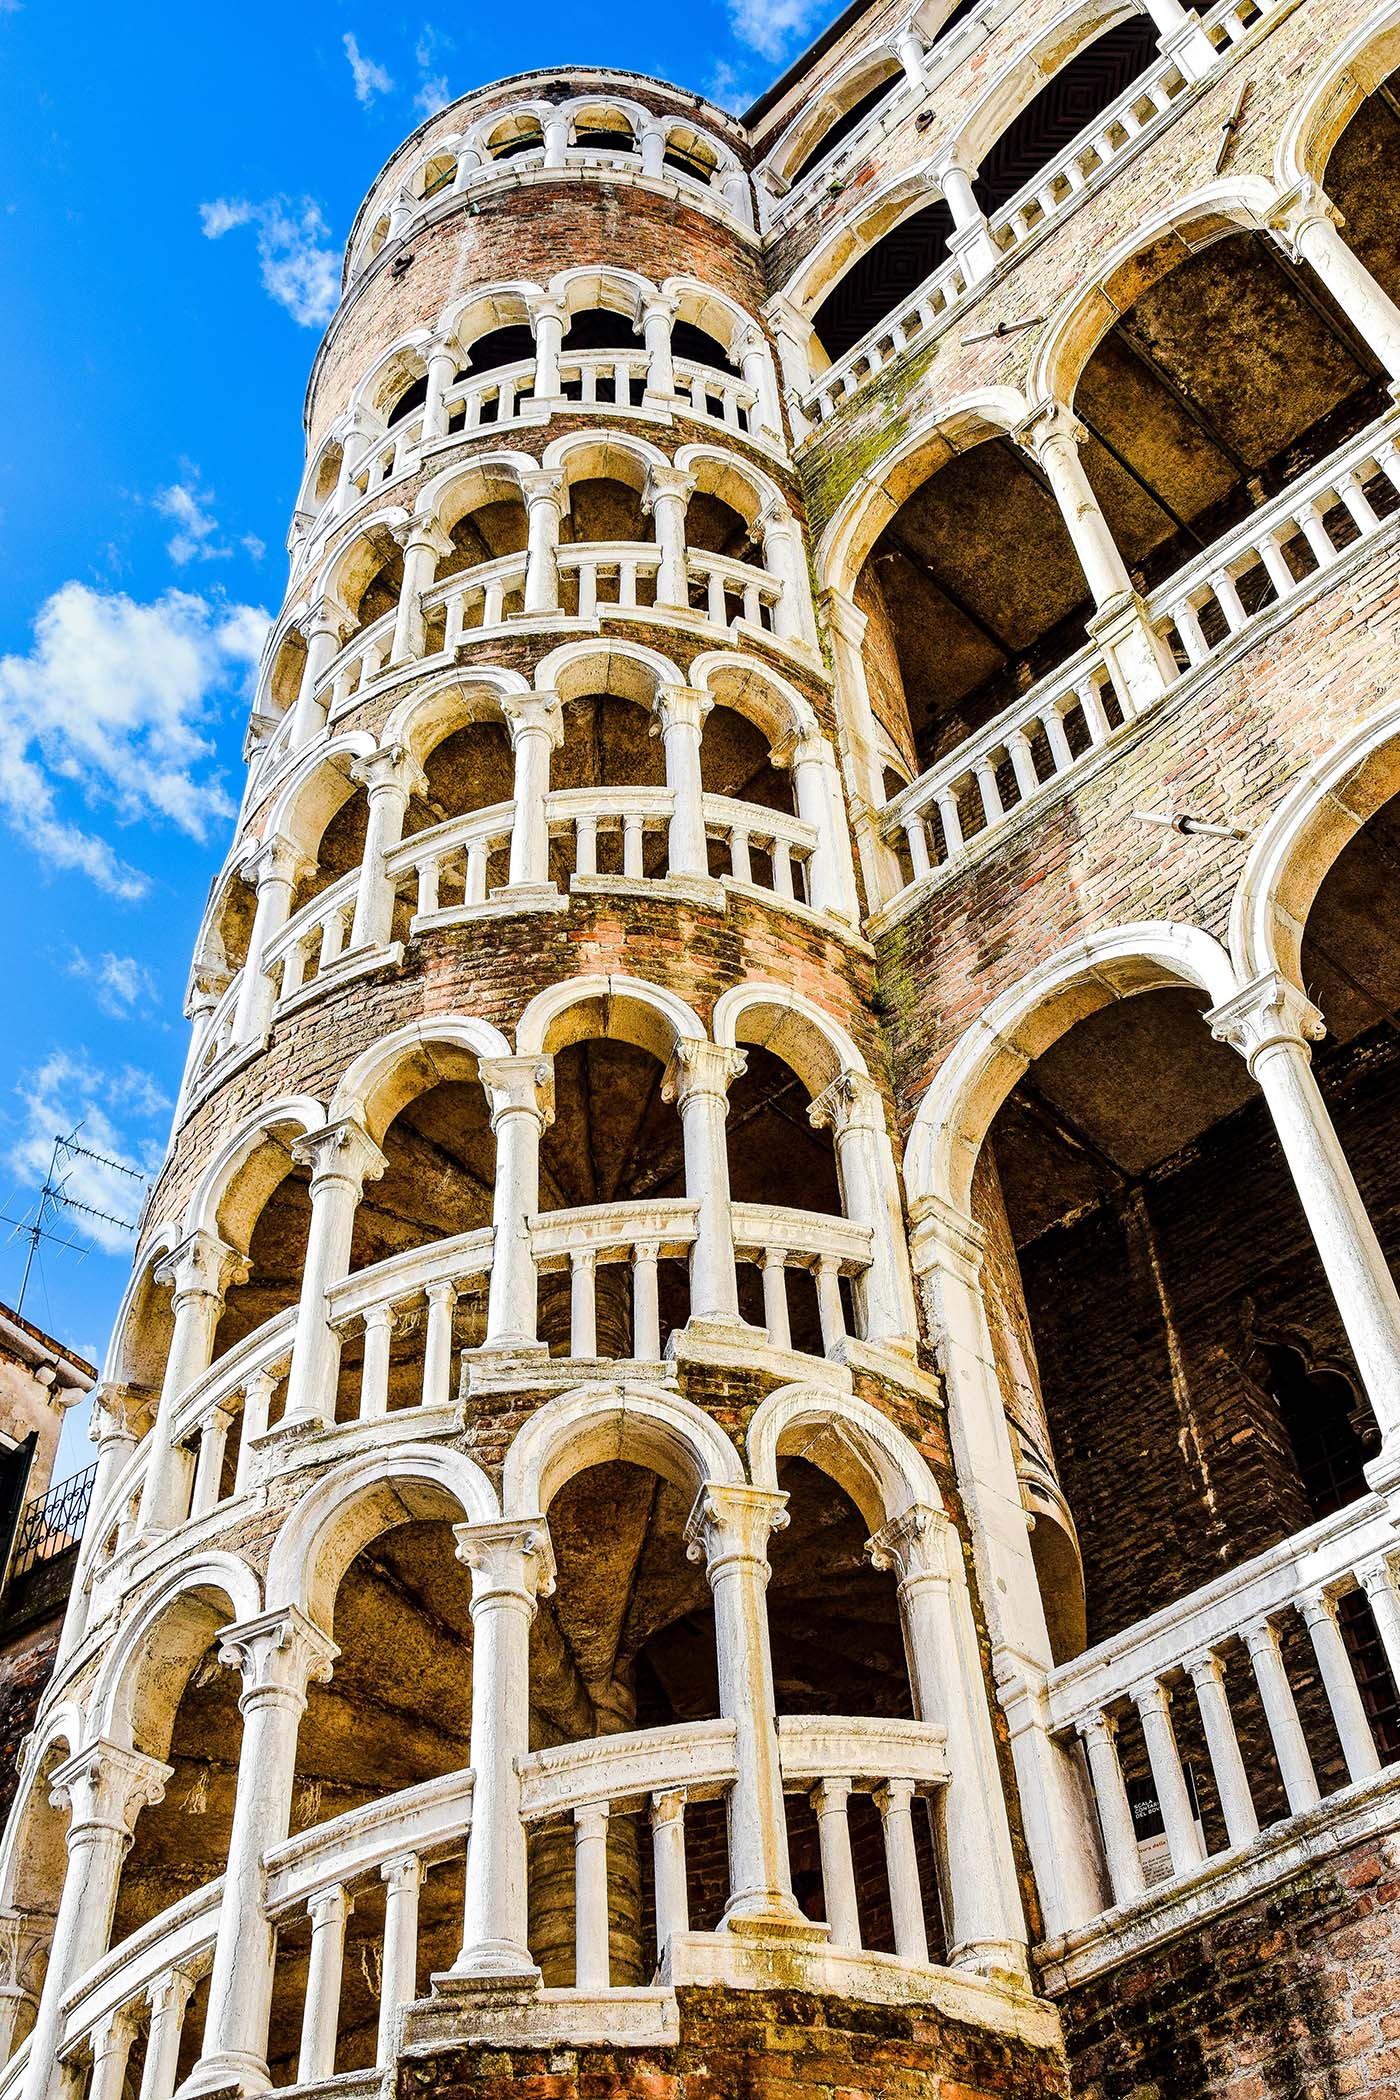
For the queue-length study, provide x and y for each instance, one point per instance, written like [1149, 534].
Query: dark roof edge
[815, 50]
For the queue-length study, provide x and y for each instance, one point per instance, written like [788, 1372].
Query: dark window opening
[512, 345]
[1331, 1431]
[699, 347]
[411, 398]
[605, 140]
[1065, 106]
[884, 277]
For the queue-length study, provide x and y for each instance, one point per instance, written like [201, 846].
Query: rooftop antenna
[55, 1203]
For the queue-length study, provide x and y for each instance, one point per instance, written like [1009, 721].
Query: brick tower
[755, 1444]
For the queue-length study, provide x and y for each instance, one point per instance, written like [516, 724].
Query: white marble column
[750, 352]
[105, 1788]
[666, 495]
[830, 1799]
[521, 1093]
[325, 1970]
[986, 1931]
[555, 128]
[816, 779]
[784, 560]
[277, 1656]
[681, 710]
[854, 1109]
[342, 1157]
[698, 1079]
[658, 316]
[909, 48]
[442, 371]
[424, 544]
[274, 869]
[1307, 225]
[512, 1566]
[729, 1528]
[1138, 659]
[398, 1985]
[861, 760]
[391, 777]
[167, 2001]
[324, 627]
[1056, 1813]
[543, 490]
[971, 240]
[548, 321]
[536, 725]
[1273, 1025]
[199, 1271]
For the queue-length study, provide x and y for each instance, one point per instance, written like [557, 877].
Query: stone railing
[1117, 1698]
[632, 1235]
[1050, 733]
[601, 573]
[421, 1285]
[313, 939]
[779, 1242]
[1143, 110]
[144, 1985]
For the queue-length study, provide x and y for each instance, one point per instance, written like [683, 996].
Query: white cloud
[725, 88]
[114, 701]
[370, 79]
[119, 982]
[298, 269]
[433, 95]
[770, 26]
[187, 505]
[433, 91]
[69, 1088]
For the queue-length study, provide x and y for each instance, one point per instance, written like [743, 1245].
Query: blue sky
[175, 188]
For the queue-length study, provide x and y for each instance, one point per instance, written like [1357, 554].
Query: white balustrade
[487, 400]
[765, 848]
[313, 939]
[479, 597]
[603, 378]
[1219, 1659]
[1138, 114]
[407, 1293]
[727, 592]
[634, 1235]
[776, 1241]
[720, 397]
[1032, 747]
[455, 865]
[619, 575]
[146, 1978]
[218, 1030]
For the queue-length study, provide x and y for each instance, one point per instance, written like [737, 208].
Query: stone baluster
[1098, 1732]
[1207, 1674]
[167, 2001]
[1319, 1610]
[209, 1464]
[398, 1984]
[111, 2050]
[830, 1800]
[669, 1869]
[1281, 1712]
[1377, 1579]
[592, 1970]
[511, 1567]
[273, 870]
[329, 1913]
[1173, 1798]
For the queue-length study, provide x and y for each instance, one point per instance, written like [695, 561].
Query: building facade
[755, 1441]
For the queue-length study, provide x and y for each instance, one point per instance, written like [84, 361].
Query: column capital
[1205, 1667]
[534, 714]
[732, 1522]
[105, 1787]
[668, 1806]
[1097, 1729]
[510, 1557]
[278, 1655]
[919, 1542]
[541, 307]
[415, 532]
[1318, 1604]
[1268, 1011]
[340, 1151]
[331, 1907]
[681, 705]
[542, 485]
[697, 1067]
[325, 615]
[518, 1086]
[277, 859]
[391, 766]
[1150, 1696]
[662, 304]
[440, 346]
[662, 482]
[952, 159]
[1377, 1578]
[747, 338]
[1260, 1637]
[942, 1237]
[201, 1264]
[1306, 204]
[775, 519]
[1045, 423]
[405, 1872]
[117, 1411]
[851, 1102]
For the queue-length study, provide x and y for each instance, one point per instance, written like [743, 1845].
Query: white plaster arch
[737, 482]
[705, 307]
[596, 1423]
[627, 1008]
[616, 455]
[474, 481]
[987, 1060]
[772, 703]
[1169, 237]
[900, 195]
[1290, 859]
[603, 103]
[63, 1723]
[1061, 41]
[371, 392]
[401, 1065]
[148, 1664]
[774, 1017]
[347, 573]
[628, 669]
[429, 712]
[247, 1167]
[846, 1438]
[152, 1251]
[1353, 70]
[935, 437]
[875, 63]
[587, 286]
[316, 790]
[354, 1503]
[505, 304]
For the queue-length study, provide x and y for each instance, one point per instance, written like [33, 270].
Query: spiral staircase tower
[618, 1560]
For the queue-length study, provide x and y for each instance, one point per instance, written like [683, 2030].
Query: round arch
[868, 69]
[898, 198]
[463, 488]
[316, 790]
[116, 1364]
[1056, 47]
[374, 394]
[247, 1167]
[358, 1500]
[774, 1017]
[149, 1663]
[586, 455]
[627, 669]
[1354, 70]
[63, 1725]
[590, 285]
[770, 702]
[432, 711]
[391, 1072]
[626, 1008]
[349, 571]
[1140, 260]
[1289, 860]
[939, 435]
[956, 1112]
[847, 1439]
[744, 487]
[593, 1425]
[505, 305]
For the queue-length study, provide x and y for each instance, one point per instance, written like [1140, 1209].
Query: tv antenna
[55, 1214]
